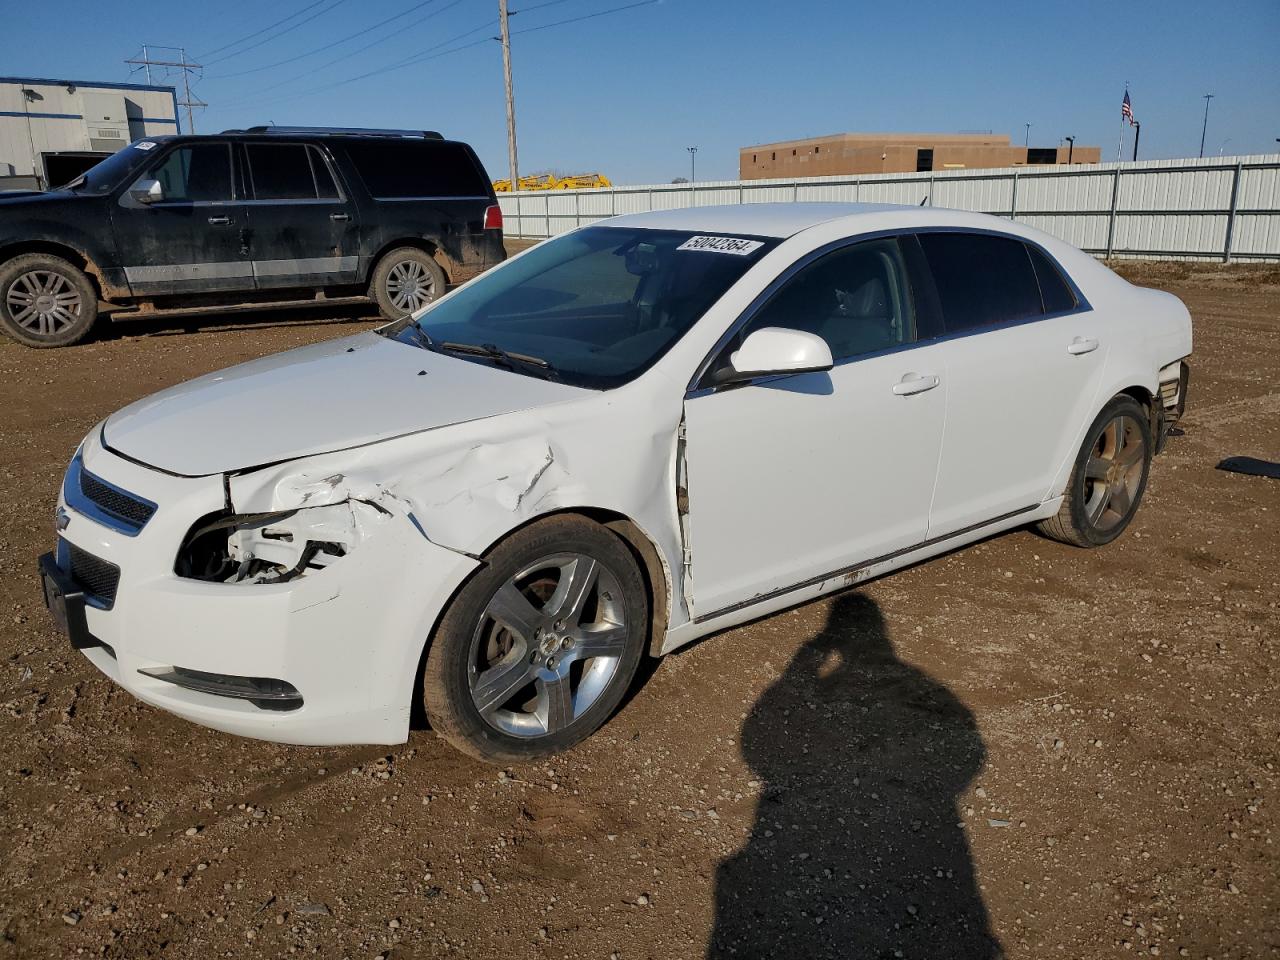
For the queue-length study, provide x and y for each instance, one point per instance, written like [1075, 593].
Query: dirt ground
[1019, 749]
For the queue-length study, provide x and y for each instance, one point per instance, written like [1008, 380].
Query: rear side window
[288, 171]
[1057, 296]
[981, 279]
[412, 169]
[199, 172]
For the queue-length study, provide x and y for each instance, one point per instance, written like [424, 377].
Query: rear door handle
[914, 383]
[219, 221]
[339, 216]
[1082, 345]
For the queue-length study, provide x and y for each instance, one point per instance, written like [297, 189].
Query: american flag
[1126, 110]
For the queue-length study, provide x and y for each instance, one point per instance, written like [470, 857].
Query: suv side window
[412, 169]
[196, 173]
[856, 298]
[288, 171]
[981, 279]
[1054, 292]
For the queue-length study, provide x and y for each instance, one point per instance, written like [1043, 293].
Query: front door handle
[915, 383]
[1082, 345]
[219, 221]
[339, 216]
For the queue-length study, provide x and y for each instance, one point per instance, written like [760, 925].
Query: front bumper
[347, 640]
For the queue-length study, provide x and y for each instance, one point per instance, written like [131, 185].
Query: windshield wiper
[510, 359]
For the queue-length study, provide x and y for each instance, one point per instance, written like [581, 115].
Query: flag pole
[1120, 142]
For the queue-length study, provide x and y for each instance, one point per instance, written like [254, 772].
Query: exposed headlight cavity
[274, 547]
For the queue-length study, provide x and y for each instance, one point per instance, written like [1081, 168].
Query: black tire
[462, 649]
[404, 280]
[1089, 516]
[46, 301]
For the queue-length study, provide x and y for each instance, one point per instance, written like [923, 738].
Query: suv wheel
[1109, 477]
[406, 280]
[45, 301]
[538, 649]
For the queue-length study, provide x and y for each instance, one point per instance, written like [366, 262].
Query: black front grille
[98, 577]
[115, 501]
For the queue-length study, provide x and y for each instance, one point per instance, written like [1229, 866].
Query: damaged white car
[630, 436]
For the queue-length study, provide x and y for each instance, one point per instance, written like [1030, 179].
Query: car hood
[38, 198]
[317, 399]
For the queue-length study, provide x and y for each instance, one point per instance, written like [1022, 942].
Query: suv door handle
[339, 216]
[219, 221]
[915, 383]
[1082, 345]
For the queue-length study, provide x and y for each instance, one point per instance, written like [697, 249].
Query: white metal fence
[1220, 208]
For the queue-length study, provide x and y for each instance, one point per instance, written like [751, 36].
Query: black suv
[246, 218]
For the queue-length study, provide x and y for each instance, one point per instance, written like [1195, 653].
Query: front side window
[856, 298]
[196, 173]
[599, 306]
[981, 279]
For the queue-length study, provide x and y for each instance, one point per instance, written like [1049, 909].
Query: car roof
[787, 219]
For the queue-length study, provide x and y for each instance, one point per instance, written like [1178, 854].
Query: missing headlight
[272, 547]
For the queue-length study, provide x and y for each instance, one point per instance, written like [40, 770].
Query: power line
[236, 43]
[428, 54]
[339, 42]
[279, 33]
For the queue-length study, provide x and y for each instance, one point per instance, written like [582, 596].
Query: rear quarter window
[1054, 291]
[981, 279]
[413, 169]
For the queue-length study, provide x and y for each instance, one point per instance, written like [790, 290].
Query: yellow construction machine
[549, 181]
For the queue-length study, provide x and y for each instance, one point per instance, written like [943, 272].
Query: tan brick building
[857, 153]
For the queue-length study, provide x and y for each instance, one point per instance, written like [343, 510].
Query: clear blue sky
[626, 93]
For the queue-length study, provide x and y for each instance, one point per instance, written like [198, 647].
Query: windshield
[110, 173]
[595, 308]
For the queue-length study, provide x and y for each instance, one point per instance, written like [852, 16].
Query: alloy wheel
[43, 302]
[410, 286]
[547, 646]
[1113, 473]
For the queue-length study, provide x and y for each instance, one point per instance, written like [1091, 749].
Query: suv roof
[272, 130]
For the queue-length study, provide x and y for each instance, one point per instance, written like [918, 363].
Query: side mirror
[147, 191]
[775, 350]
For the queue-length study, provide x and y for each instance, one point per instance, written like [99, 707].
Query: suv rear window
[412, 169]
[288, 171]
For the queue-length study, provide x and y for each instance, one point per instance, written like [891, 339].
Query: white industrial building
[52, 130]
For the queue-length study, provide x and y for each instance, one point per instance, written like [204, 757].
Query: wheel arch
[73, 255]
[425, 244]
[653, 571]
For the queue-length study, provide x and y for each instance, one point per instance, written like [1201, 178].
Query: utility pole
[511, 97]
[693, 164]
[187, 68]
[1205, 129]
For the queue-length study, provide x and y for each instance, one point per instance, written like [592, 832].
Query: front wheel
[539, 648]
[1109, 477]
[45, 301]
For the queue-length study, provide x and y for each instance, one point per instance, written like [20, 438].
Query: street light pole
[1027, 142]
[693, 164]
[1071, 147]
[1205, 129]
[511, 97]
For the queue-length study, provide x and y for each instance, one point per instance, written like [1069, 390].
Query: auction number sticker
[144, 145]
[734, 245]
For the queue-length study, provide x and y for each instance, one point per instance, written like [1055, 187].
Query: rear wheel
[45, 301]
[538, 649]
[406, 280]
[1109, 477]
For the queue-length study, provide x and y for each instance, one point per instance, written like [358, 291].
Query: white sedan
[628, 437]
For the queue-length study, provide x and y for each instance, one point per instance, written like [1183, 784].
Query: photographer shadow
[856, 851]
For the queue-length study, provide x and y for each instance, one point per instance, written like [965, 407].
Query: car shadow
[856, 850]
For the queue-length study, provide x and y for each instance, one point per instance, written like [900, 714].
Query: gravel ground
[1020, 749]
